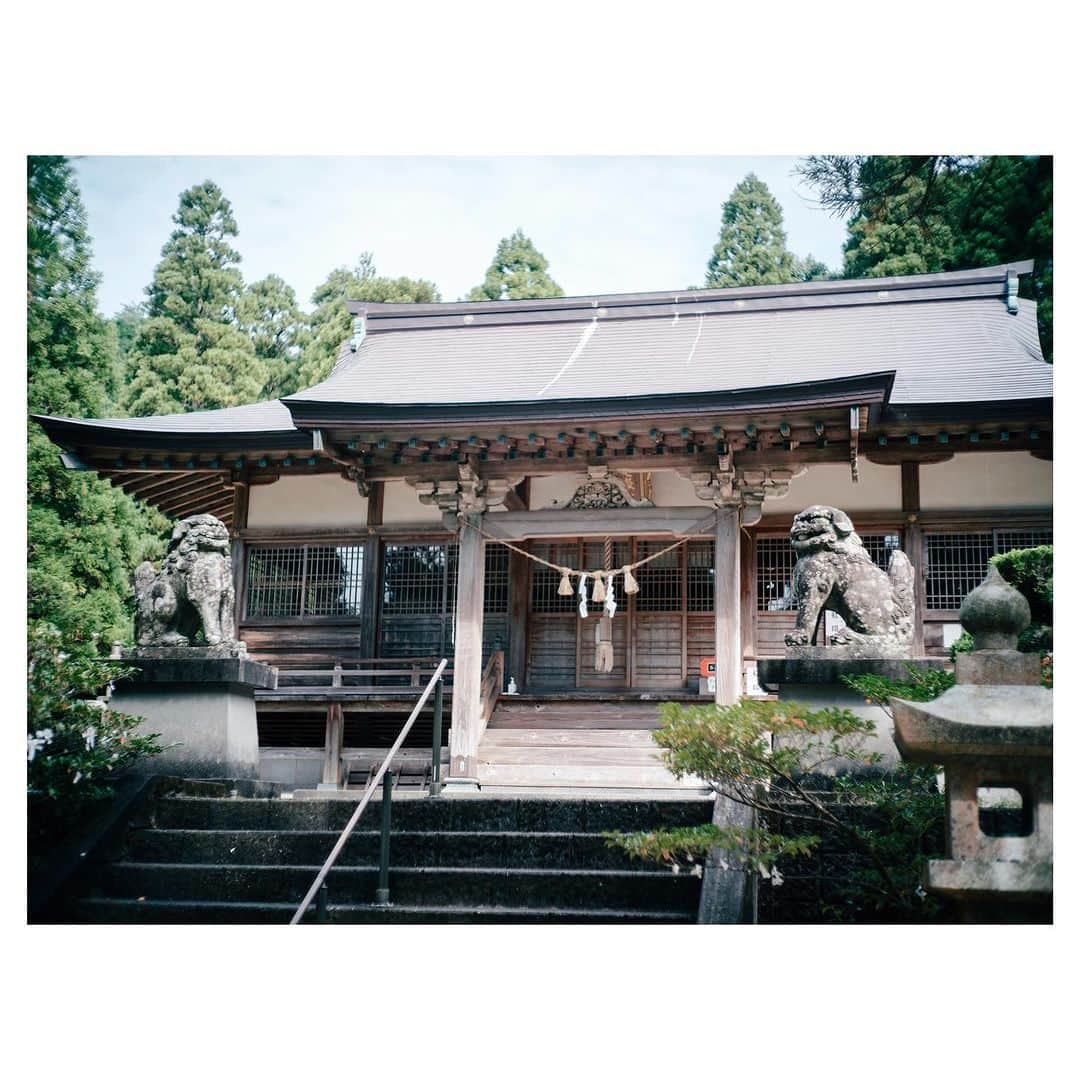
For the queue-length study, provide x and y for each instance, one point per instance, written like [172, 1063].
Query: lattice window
[496, 580]
[880, 546]
[544, 598]
[305, 581]
[699, 575]
[1010, 539]
[775, 566]
[415, 579]
[956, 562]
[660, 581]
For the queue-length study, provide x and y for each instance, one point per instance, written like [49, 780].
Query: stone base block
[814, 680]
[203, 707]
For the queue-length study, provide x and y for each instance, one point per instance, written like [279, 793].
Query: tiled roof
[950, 339]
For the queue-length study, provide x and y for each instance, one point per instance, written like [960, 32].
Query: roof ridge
[588, 303]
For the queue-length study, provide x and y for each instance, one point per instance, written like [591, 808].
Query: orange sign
[707, 667]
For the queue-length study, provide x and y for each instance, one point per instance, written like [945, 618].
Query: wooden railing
[383, 893]
[344, 682]
[491, 685]
[368, 677]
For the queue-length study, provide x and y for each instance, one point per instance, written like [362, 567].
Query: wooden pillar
[240, 481]
[370, 590]
[465, 722]
[913, 546]
[517, 617]
[727, 607]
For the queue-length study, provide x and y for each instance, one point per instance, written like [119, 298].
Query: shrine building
[426, 499]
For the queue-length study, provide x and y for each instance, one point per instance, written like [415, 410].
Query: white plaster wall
[547, 492]
[402, 506]
[829, 484]
[671, 489]
[981, 481]
[324, 500]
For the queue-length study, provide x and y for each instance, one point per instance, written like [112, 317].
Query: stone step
[495, 754]
[447, 814]
[418, 887]
[572, 738]
[553, 850]
[599, 775]
[114, 911]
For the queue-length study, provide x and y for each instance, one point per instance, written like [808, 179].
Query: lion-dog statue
[192, 591]
[835, 573]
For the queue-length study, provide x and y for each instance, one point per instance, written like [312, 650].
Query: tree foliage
[331, 324]
[269, 314]
[191, 353]
[517, 272]
[911, 215]
[84, 537]
[752, 247]
[75, 743]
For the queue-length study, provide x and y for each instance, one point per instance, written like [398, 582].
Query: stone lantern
[992, 732]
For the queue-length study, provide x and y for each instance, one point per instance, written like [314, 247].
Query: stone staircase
[457, 859]
[568, 747]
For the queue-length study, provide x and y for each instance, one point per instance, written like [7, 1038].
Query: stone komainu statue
[835, 573]
[192, 590]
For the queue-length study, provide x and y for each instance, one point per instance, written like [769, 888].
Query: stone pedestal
[201, 701]
[812, 677]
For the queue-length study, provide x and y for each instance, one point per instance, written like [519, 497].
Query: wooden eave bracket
[736, 485]
[467, 494]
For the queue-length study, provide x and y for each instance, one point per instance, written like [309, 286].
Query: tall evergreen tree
[84, 537]
[518, 272]
[752, 248]
[331, 324]
[924, 214]
[191, 353]
[271, 317]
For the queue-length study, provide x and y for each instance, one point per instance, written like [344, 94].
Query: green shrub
[75, 744]
[764, 755]
[1031, 571]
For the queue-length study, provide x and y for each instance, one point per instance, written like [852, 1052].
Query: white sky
[606, 224]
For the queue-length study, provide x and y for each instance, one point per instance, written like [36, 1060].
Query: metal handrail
[372, 787]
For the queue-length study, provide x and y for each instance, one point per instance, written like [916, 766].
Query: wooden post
[465, 722]
[239, 523]
[517, 616]
[370, 588]
[913, 547]
[335, 736]
[727, 607]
